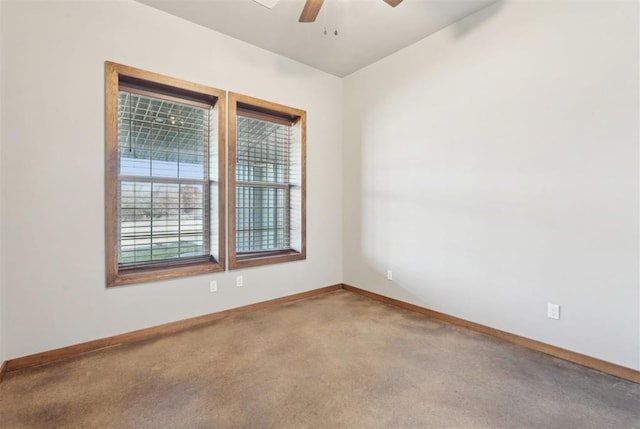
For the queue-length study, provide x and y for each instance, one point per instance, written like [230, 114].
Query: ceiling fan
[312, 7]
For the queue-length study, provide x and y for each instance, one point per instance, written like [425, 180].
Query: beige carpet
[334, 361]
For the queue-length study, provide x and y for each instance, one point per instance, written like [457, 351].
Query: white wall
[494, 167]
[53, 168]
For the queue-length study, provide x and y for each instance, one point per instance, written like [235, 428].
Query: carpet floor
[338, 360]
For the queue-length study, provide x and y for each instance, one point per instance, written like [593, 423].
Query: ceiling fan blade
[393, 3]
[310, 11]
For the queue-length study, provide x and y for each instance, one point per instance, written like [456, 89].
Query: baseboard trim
[182, 325]
[580, 359]
[149, 333]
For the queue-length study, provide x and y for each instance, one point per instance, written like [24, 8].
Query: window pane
[161, 138]
[262, 151]
[135, 221]
[262, 221]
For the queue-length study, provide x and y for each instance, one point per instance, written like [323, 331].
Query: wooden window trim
[243, 105]
[115, 75]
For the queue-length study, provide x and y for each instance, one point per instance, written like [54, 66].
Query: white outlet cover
[553, 311]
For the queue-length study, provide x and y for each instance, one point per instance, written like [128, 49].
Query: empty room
[319, 214]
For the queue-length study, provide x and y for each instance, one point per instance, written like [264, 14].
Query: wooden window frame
[115, 75]
[275, 112]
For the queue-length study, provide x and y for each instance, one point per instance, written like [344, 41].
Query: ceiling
[368, 30]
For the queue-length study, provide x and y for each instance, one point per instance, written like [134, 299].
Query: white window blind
[164, 179]
[263, 182]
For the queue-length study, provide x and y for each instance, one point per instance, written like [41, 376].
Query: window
[164, 171]
[266, 182]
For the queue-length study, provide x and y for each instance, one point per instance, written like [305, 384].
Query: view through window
[164, 179]
[262, 185]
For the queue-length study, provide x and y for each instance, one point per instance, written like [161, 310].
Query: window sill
[248, 260]
[153, 273]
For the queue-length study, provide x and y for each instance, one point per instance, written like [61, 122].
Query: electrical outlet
[239, 281]
[389, 275]
[553, 311]
[213, 286]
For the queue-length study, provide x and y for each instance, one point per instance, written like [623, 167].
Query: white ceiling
[368, 30]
